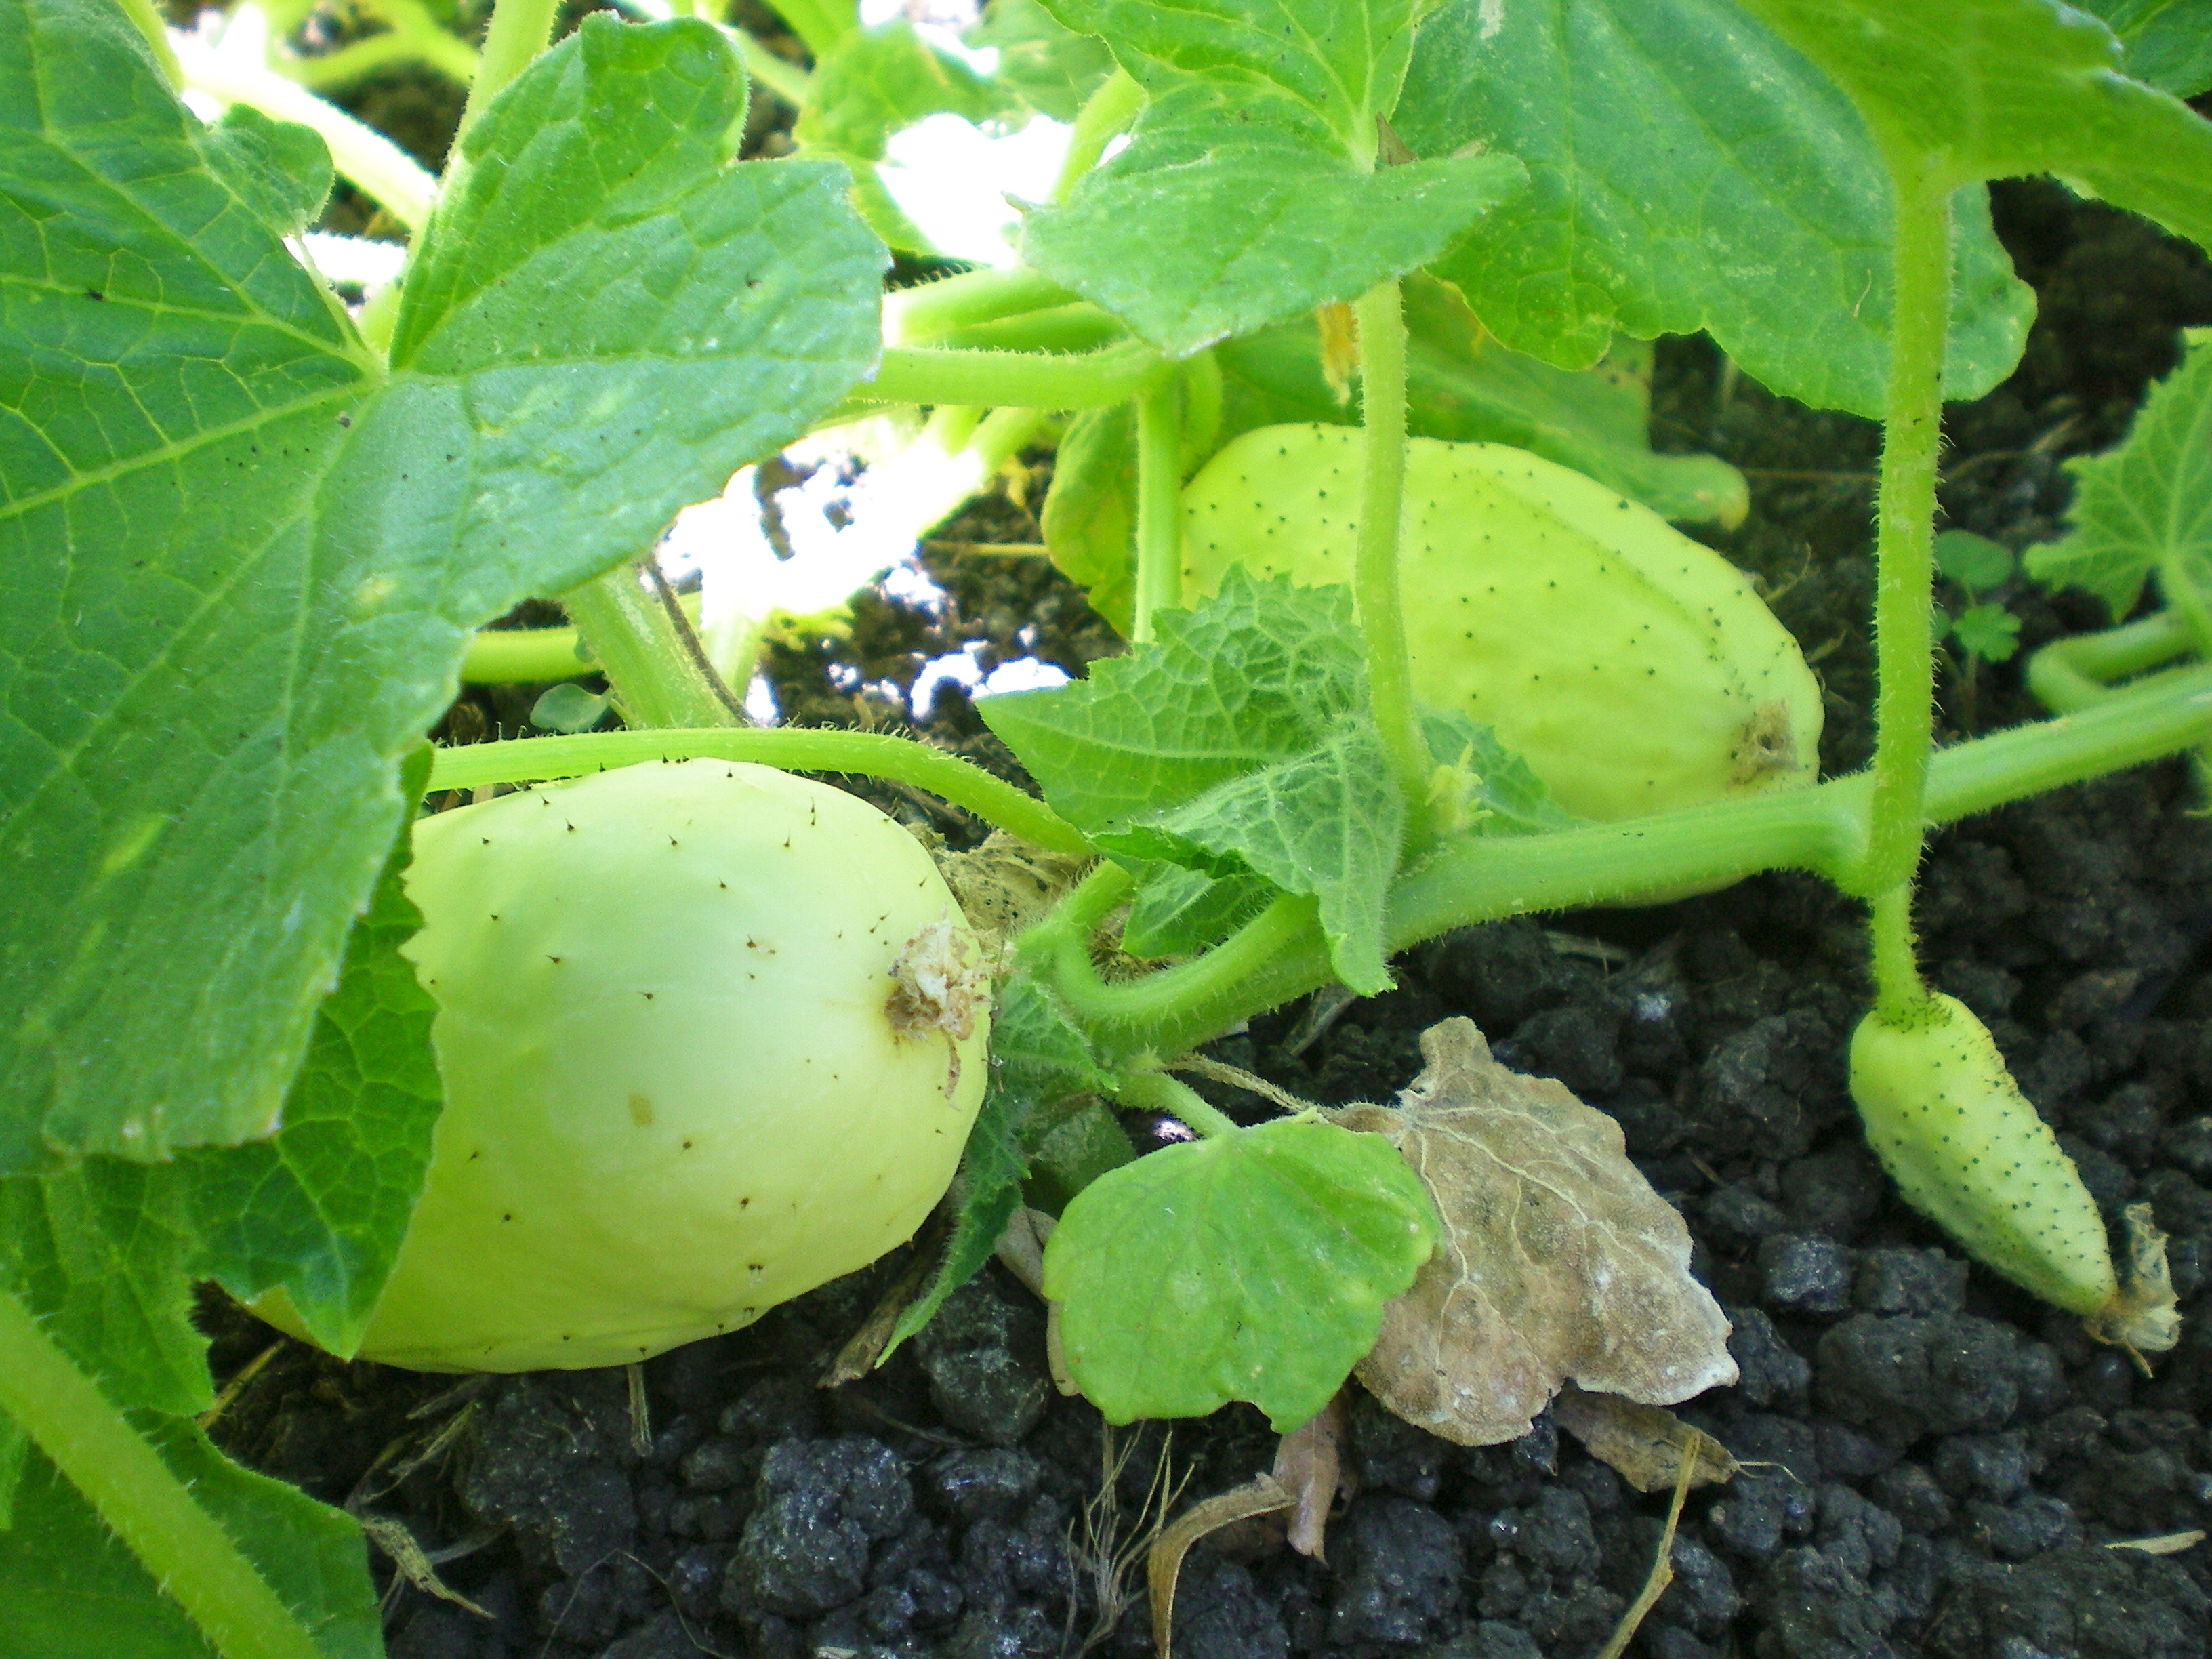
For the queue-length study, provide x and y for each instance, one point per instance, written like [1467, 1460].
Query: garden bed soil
[1938, 1463]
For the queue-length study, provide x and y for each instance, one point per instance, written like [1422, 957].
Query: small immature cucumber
[1969, 1152]
[710, 1034]
[1635, 669]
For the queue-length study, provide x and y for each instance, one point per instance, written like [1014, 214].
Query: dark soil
[1938, 1461]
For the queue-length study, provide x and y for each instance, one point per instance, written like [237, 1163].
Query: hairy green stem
[527, 656]
[1157, 1092]
[1077, 326]
[1898, 989]
[655, 679]
[184, 1547]
[771, 69]
[1282, 954]
[147, 19]
[362, 155]
[868, 754]
[1104, 116]
[414, 37]
[1375, 558]
[1096, 379]
[1912, 424]
[2073, 674]
[930, 311]
[520, 31]
[1160, 506]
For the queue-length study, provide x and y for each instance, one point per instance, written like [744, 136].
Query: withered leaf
[1560, 1263]
[1646, 1445]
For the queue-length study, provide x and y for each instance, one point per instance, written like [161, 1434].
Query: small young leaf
[1998, 89]
[1237, 742]
[1560, 1263]
[1253, 1265]
[568, 707]
[1744, 197]
[1050, 68]
[1975, 563]
[1178, 910]
[69, 1588]
[1988, 631]
[1038, 1056]
[281, 171]
[2146, 504]
[1495, 792]
[1249, 192]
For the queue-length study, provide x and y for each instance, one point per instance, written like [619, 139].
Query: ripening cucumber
[1969, 1152]
[710, 1035]
[1635, 669]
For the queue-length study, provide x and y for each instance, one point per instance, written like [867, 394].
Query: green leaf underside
[247, 561]
[106, 1251]
[2146, 505]
[71, 1587]
[1037, 1058]
[1177, 910]
[1466, 387]
[1215, 221]
[1238, 742]
[867, 87]
[1253, 1267]
[1996, 88]
[1745, 196]
[1089, 518]
[2168, 43]
[1248, 193]
[1052, 69]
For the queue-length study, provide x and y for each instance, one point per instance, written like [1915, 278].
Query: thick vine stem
[930, 311]
[1090, 380]
[1106, 113]
[144, 1503]
[2073, 674]
[655, 679]
[1904, 548]
[1158, 1092]
[520, 30]
[1375, 558]
[870, 754]
[1281, 953]
[1898, 989]
[1160, 506]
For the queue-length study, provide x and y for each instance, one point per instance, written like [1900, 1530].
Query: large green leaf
[1248, 192]
[243, 561]
[2168, 43]
[1237, 741]
[2147, 505]
[1992, 88]
[106, 1250]
[1688, 170]
[1253, 1265]
[70, 1588]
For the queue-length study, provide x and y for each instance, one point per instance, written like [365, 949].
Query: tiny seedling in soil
[580, 1072]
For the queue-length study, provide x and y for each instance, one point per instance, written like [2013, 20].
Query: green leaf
[1224, 214]
[870, 85]
[1177, 910]
[1743, 196]
[1051, 68]
[2146, 504]
[280, 171]
[244, 561]
[1089, 519]
[2168, 43]
[1252, 1265]
[1037, 1057]
[1465, 386]
[106, 1251]
[1237, 742]
[1085, 1144]
[1988, 631]
[1996, 88]
[70, 1587]
[14, 1457]
[1496, 792]
[1975, 563]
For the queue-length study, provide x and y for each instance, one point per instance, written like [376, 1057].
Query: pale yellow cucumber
[1637, 670]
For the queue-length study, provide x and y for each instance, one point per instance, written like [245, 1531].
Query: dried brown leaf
[2168, 1543]
[1560, 1263]
[415, 1565]
[1261, 1495]
[1308, 1465]
[1646, 1445]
